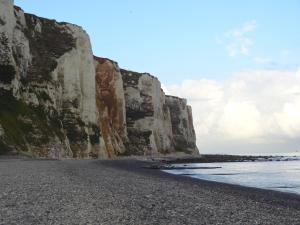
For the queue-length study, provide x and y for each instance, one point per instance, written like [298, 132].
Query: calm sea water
[275, 175]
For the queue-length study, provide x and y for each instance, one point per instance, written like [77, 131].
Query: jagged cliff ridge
[58, 100]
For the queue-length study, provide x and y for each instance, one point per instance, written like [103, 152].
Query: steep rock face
[57, 100]
[148, 117]
[111, 106]
[184, 138]
[9, 43]
[75, 73]
[47, 86]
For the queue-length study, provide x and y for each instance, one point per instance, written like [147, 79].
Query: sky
[237, 62]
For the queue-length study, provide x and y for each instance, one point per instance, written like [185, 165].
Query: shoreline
[146, 168]
[154, 165]
[126, 191]
[215, 158]
[168, 158]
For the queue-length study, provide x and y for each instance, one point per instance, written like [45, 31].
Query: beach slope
[125, 192]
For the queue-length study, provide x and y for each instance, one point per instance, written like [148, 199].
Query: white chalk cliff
[57, 100]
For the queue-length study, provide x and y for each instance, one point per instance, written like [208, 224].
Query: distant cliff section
[57, 100]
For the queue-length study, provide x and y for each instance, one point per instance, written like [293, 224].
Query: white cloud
[289, 118]
[254, 107]
[262, 60]
[239, 120]
[237, 41]
[249, 27]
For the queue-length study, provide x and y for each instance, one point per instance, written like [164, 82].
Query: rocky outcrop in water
[57, 100]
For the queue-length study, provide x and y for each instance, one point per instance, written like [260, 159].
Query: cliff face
[58, 100]
[111, 106]
[48, 104]
[148, 118]
[184, 138]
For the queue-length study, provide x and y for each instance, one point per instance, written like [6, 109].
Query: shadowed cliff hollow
[58, 100]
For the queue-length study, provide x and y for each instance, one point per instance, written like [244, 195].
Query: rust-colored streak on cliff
[110, 103]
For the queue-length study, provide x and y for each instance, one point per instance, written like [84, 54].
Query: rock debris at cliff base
[60, 101]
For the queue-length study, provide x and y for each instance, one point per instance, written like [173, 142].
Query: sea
[280, 174]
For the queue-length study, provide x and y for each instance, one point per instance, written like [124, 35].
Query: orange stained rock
[110, 106]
